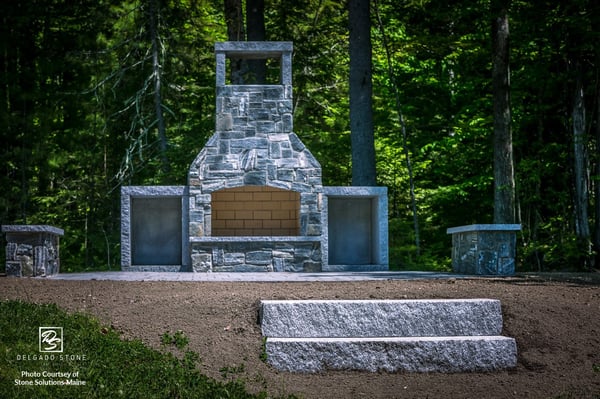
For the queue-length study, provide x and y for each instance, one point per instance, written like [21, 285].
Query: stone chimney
[256, 161]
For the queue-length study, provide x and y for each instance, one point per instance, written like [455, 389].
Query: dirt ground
[555, 320]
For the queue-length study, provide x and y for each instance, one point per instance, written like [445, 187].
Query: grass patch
[96, 362]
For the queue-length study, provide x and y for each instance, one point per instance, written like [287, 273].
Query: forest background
[80, 84]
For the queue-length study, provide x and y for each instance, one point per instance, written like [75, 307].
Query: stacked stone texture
[254, 145]
[484, 249]
[256, 255]
[32, 250]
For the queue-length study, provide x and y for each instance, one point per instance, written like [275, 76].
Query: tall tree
[361, 89]
[597, 181]
[234, 18]
[255, 27]
[581, 171]
[153, 12]
[242, 26]
[504, 177]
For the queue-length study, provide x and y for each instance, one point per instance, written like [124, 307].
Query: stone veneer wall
[484, 249]
[256, 254]
[348, 234]
[253, 145]
[32, 250]
[158, 224]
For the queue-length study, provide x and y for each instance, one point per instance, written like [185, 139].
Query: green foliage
[179, 339]
[228, 372]
[263, 351]
[402, 250]
[79, 118]
[113, 367]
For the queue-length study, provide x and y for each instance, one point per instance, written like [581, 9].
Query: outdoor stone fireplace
[264, 181]
[254, 199]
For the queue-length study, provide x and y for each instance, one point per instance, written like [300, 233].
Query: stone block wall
[154, 225]
[32, 250]
[484, 249]
[254, 151]
[254, 146]
[356, 231]
[256, 254]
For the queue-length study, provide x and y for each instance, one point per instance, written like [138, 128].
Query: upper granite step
[381, 318]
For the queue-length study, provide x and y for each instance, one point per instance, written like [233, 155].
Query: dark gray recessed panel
[350, 231]
[156, 231]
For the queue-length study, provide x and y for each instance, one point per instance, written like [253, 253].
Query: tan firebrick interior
[255, 211]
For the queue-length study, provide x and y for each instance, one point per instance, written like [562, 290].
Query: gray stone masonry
[255, 200]
[393, 354]
[155, 224]
[450, 336]
[256, 254]
[484, 249]
[32, 250]
[395, 318]
[353, 231]
[253, 145]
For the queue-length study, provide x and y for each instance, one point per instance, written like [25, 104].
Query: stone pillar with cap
[32, 250]
[484, 249]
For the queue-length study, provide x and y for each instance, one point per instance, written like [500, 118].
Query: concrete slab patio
[257, 277]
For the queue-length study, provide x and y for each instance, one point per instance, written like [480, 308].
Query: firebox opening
[255, 211]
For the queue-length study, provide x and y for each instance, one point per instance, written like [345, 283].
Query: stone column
[484, 249]
[32, 250]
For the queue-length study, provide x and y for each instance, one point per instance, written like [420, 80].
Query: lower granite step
[410, 354]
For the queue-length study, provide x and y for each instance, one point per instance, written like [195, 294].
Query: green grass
[110, 366]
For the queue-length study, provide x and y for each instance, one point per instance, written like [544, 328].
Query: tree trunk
[255, 27]
[581, 171]
[361, 88]
[504, 178]
[157, 75]
[234, 18]
[597, 186]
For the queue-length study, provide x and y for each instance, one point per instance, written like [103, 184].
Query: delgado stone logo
[51, 339]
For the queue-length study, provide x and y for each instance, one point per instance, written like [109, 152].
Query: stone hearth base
[256, 254]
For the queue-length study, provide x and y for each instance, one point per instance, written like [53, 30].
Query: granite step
[390, 335]
[392, 354]
[381, 318]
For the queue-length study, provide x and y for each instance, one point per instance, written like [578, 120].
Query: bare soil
[555, 320]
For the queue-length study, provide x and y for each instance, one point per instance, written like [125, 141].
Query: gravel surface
[555, 320]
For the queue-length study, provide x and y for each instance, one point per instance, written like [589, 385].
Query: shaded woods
[109, 92]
